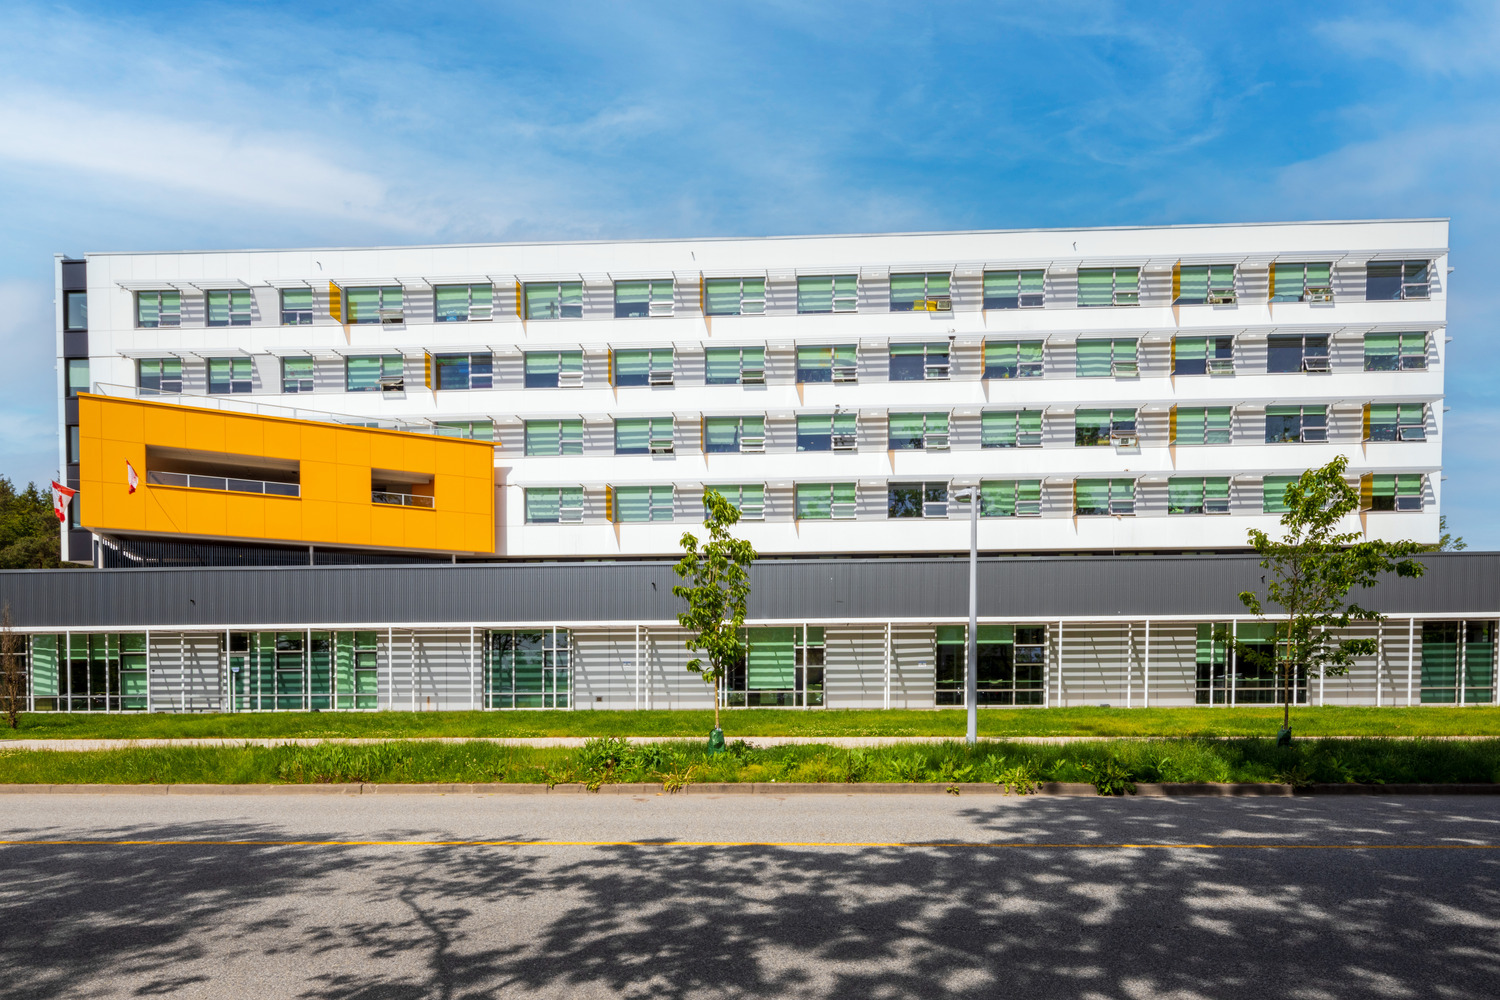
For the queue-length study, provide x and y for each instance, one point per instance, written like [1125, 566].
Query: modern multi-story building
[1135, 399]
[1141, 389]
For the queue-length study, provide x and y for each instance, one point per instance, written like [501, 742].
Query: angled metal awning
[216, 284]
[156, 285]
[294, 282]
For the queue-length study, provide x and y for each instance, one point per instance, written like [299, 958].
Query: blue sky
[133, 126]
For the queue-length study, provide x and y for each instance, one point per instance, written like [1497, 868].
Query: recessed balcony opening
[393, 488]
[209, 470]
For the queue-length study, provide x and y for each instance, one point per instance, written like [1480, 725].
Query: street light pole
[971, 658]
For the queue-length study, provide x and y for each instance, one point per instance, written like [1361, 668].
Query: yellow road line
[910, 845]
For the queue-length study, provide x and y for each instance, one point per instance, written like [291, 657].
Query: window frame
[1400, 501]
[754, 374]
[472, 312]
[652, 302]
[466, 429]
[309, 378]
[837, 510]
[1217, 350]
[1019, 438]
[1304, 356]
[560, 506]
[71, 370]
[749, 510]
[1123, 430]
[1123, 506]
[1406, 289]
[1025, 297]
[932, 371]
[935, 435]
[160, 375]
[653, 503]
[1119, 297]
[241, 376]
[652, 376]
[1402, 421]
[1122, 363]
[1002, 369]
[381, 378]
[566, 375]
[1320, 434]
[1306, 290]
[660, 436]
[75, 320]
[560, 306]
[931, 299]
[238, 305]
[843, 431]
[300, 316]
[745, 304]
[568, 435]
[1215, 290]
[1212, 506]
[842, 366]
[164, 319]
[744, 443]
[449, 360]
[1209, 430]
[390, 305]
[932, 500]
[845, 301]
[1401, 355]
[1002, 502]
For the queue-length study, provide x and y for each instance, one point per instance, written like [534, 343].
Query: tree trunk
[716, 701]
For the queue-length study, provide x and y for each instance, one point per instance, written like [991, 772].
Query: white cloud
[28, 407]
[244, 167]
[1465, 44]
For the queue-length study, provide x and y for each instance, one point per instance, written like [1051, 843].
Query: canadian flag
[61, 497]
[131, 479]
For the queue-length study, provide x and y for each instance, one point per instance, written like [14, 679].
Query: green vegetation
[752, 722]
[1112, 767]
[28, 528]
[716, 601]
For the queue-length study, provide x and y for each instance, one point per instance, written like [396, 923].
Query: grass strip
[1206, 721]
[1108, 765]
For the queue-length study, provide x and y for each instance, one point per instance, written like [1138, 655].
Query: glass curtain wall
[527, 668]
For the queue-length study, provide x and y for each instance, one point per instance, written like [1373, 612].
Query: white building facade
[1127, 389]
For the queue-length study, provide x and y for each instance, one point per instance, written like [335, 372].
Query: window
[822, 501]
[643, 367]
[296, 375]
[155, 375]
[156, 309]
[464, 371]
[74, 449]
[642, 503]
[1390, 352]
[1103, 358]
[1013, 289]
[77, 376]
[915, 431]
[1458, 662]
[462, 303]
[1202, 355]
[554, 300]
[1013, 359]
[1211, 657]
[749, 500]
[1205, 283]
[781, 667]
[1273, 493]
[835, 293]
[1093, 497]
[554, 437]
[1010, 498]
[826, 432]
[1396, 422]
[735, 365]
[374, 305]
[921, 292]
[1096, 428]
[1397, 279]
[734, 296]
[563, 369]
[827, 364]
[526, 668]
[1010, 429]
[554, 505]
[644, 436]
[229, 307]
[296, 306]
[227, 375]
[1301, 282]
[473, 430]
[1198, 495]
[1391, 492]
[917, 500]
[1109, 286]
[643, 298]
[918, 362]
[1286, 424]
[1011, 658]
[1297, 353]
[734, 434]
[1201, 424]
[372, 372]
[75, 311]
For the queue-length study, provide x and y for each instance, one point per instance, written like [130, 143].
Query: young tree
[1310, 571]
[1447, 542]
[12, 671]
[720, 576]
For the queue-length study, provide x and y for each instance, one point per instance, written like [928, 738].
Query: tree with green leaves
[1310, 571]
[720, 590]
[29, 537]
[1447, 541]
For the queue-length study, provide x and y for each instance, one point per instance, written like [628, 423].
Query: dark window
[1397, 279]
[1288, 354]
[75, 311]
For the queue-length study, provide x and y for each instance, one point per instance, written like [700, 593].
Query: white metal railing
[569, 380]
[227, 484]
[400, 499]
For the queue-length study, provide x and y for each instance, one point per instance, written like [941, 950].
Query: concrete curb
[1050, 788]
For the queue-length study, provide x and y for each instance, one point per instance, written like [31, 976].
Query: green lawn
[1427, 721]
[613, 760]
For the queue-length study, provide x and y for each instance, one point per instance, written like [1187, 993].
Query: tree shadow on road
[678, 922]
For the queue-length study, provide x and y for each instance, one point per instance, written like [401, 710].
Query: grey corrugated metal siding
[817, 589]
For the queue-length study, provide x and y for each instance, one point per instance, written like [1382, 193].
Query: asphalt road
[991, 897]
